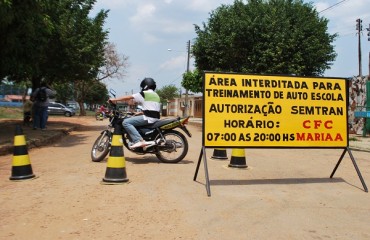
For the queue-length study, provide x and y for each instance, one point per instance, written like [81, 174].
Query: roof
[12, 98]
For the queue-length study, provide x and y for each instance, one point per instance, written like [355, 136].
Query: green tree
[84, 41]
[25, 29]
[64, 92]
[51, 40]
[265, 36]
[167, 93]
[98, 93]
[57, 42]
[193, 81]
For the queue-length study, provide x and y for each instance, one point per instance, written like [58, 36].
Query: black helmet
[148, 83]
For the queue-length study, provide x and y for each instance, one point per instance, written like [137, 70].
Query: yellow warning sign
[242, 110]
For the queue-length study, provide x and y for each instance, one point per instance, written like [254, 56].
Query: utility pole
[368, 38]
[186, 107]
[359, 30]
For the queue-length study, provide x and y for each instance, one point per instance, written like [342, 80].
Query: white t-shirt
[150, 103]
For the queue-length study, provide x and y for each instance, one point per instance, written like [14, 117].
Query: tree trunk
[82, 108]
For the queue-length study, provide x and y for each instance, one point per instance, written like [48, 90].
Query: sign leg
[208, 187]
[203, 154]
[357, 170]
[339, 161]
[199, 160]
[354, 164]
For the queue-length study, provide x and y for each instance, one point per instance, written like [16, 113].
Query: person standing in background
[41, 98]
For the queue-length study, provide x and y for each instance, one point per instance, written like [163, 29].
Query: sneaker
[138, 144]
[149, 144]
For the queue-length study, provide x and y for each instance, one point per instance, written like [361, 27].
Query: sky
[153, 34]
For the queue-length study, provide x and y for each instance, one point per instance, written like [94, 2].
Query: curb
[38, 142]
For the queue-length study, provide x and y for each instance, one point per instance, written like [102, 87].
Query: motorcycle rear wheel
[101, 147]
[174, 149]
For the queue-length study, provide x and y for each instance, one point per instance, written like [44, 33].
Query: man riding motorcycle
[150, 102]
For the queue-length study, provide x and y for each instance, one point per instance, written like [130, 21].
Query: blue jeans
[40, 116]
[129, 125]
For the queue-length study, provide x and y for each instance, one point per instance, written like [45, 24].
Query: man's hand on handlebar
[138, 113]
[112, 101]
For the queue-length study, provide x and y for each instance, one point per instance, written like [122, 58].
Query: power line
[332, 6]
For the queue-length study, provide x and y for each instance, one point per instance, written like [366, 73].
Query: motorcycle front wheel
[174, 149]
[101, 147]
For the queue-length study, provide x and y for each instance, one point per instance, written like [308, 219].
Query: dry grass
[11, 113]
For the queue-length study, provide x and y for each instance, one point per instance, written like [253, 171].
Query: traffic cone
[219, 153]
[21, 165]
[238, 158]
[116, 165]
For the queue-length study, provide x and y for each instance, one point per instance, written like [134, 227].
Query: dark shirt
[50, 93]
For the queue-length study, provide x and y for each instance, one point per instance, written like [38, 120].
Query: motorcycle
[168, 144]
[99, 116]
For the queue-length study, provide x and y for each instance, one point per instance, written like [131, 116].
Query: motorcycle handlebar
[116, 111]
[111, 103]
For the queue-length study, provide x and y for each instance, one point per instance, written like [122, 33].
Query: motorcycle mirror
[111, 91]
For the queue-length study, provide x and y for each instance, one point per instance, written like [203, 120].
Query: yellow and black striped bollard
[238, 158]
[219, 153]
[21, 165]
[116, 164]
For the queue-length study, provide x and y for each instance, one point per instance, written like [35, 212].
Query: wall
[176, 106]
[357, 102]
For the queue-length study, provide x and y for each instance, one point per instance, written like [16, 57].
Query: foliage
[12, 89]
[25, 30]
[167, 93]
[98, 93]
[32, 45]
[59, 43]
[83, 40]
[265, 36]
[65, 92]
[53, 40]
[193, 81]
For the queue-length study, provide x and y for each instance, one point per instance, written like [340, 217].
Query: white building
[176, 107]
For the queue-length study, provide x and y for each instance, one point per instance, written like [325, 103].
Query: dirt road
[283, 194]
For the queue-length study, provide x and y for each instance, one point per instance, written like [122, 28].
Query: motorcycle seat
[160, 123]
